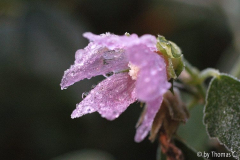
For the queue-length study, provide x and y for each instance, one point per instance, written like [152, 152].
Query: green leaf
[188, 152]
[222, 112]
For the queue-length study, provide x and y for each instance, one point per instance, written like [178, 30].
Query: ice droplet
[108, 74]
[84, 94]
[93, 86]
[153, 72]
[99, 96]
[89, 110]
[147, 79]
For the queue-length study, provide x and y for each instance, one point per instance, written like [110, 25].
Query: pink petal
[94, 60]
[152, 77]
[148, 40]
[152, 109]
[110, 97]
[112, 41]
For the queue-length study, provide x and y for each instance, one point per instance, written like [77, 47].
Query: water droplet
[153, 72]
[84, 94]
[109, 74]
[89, 109]
[108, 55]
[99, 96]
[105, 62]
[93, 86]
[120, 99]
[147, 79]
[115, 114]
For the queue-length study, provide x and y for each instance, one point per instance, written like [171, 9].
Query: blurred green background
[38, 40]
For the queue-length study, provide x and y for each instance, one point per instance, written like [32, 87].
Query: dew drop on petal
[89, 110]
[147, 79]
[84, 94]
[109, 74]
[93, 86]
[153, 72]
[99, 95]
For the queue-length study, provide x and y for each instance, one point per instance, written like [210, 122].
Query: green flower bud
[173, 56]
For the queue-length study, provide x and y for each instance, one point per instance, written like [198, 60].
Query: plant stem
[209, 72]
[190, 69]
[236, 69]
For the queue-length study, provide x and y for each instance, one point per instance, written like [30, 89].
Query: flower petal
[112, 41]
[148, 40]
[151, 111]
[152, 77]
[110, 97]
[94, 60]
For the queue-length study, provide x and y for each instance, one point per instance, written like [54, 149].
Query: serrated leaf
[222, 112]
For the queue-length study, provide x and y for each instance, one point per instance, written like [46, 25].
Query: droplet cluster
[109, 101]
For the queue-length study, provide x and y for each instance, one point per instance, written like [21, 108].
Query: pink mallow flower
[139, 73]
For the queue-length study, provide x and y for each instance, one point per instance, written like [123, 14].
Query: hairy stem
[236, 69]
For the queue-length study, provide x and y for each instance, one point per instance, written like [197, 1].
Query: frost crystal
[145, 81]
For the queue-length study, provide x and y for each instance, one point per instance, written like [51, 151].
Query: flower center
[133, 72]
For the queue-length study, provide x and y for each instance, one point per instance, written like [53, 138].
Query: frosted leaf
[222, 112]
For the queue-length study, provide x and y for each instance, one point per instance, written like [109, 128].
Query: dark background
[38, 40]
